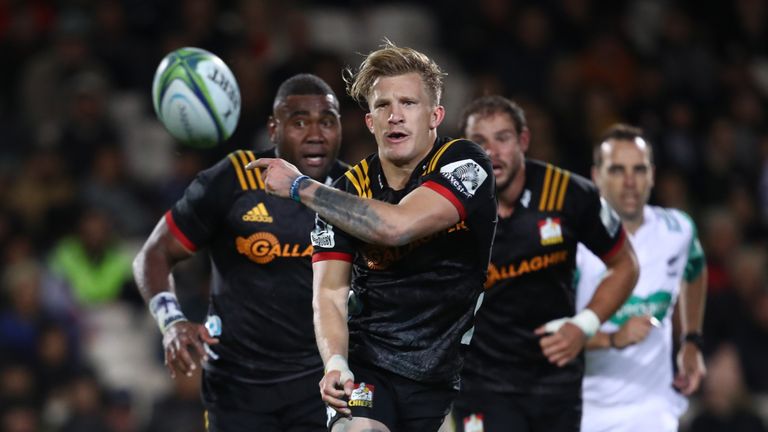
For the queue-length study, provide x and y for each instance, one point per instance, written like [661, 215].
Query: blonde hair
[391, 60]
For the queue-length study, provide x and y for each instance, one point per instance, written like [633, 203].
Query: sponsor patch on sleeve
[466, 176]
[322, 236]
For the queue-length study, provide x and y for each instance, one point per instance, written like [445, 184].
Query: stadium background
[86, 169]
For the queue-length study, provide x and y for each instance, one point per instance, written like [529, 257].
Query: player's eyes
[300, 123]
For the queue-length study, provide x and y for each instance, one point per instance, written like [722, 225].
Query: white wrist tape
[166, 310]
[337, 362]
[586, 320]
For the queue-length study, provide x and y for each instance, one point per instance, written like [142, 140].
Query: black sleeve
[597, 224]
[461, 172]
[206, 201]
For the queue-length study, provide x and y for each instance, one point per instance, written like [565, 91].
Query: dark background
[86, 170]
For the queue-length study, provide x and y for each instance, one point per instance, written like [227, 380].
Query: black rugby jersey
[530, 281]
[418, 300]
[261, 285]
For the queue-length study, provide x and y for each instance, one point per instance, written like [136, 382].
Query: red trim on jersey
[616, 247]
[444, 191]
[177, 232]
[326, 256]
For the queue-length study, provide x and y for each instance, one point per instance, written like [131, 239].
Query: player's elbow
[139, 262]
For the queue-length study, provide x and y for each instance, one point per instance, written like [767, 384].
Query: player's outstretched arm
[421, 213]
[690, 363]
[563, 339]
[152, 271]
[330, 291]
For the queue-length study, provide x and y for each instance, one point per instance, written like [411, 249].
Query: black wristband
[695, 338]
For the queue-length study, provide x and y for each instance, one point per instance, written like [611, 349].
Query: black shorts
[495, 412]
[400, 403]
[235, 406]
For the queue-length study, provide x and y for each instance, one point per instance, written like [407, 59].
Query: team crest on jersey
[258, 214]
[322, 236]
[362, 396]
[466, 176]
[474, 423]
[550, 231]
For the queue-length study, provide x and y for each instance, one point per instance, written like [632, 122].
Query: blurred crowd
[86, 169]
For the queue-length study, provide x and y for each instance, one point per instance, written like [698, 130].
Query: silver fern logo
[466, 176]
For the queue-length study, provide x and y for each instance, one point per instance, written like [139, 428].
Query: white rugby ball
[196, 97]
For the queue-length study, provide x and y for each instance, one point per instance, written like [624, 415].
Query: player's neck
[632, 225]
[508, 196]
[398, 173]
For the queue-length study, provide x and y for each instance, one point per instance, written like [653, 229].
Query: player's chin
[317, 171]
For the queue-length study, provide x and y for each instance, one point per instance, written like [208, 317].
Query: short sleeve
[462, 173]
[696, 259]
[599, 227]
[194, 218]
[329, 242]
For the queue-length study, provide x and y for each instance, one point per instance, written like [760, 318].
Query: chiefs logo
[263, 247]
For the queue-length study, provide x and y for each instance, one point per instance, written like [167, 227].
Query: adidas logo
[258, 214]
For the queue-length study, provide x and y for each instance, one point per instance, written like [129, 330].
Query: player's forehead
[625, 152]
[307, 104]
[484, 122]
[396, 86]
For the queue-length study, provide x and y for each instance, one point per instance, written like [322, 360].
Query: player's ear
[595, 173]
[369, 122]
[524, 139]
[272, 129]
[438, 114]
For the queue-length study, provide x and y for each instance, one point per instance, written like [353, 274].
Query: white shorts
[651, 414]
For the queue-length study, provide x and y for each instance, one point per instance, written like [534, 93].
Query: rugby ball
[196, 97]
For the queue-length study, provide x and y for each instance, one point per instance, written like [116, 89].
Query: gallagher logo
[263, 247]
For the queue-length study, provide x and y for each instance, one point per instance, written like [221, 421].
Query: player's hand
[691, 369]
[278, 175]
[183, 343]
[635, 330]
[563, 345]
[333, 391]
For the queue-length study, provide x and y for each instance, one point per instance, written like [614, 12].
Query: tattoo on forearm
[348, 212]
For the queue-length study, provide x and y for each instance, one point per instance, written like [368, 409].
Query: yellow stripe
[248, 173]
[263, 209]
[205, 414]
[362, 178]
[563, 187]
[257, 171]
[553, 191]
[239, 171]
[436, 157]
[352, 179]
[364, 164]
[545, 189]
